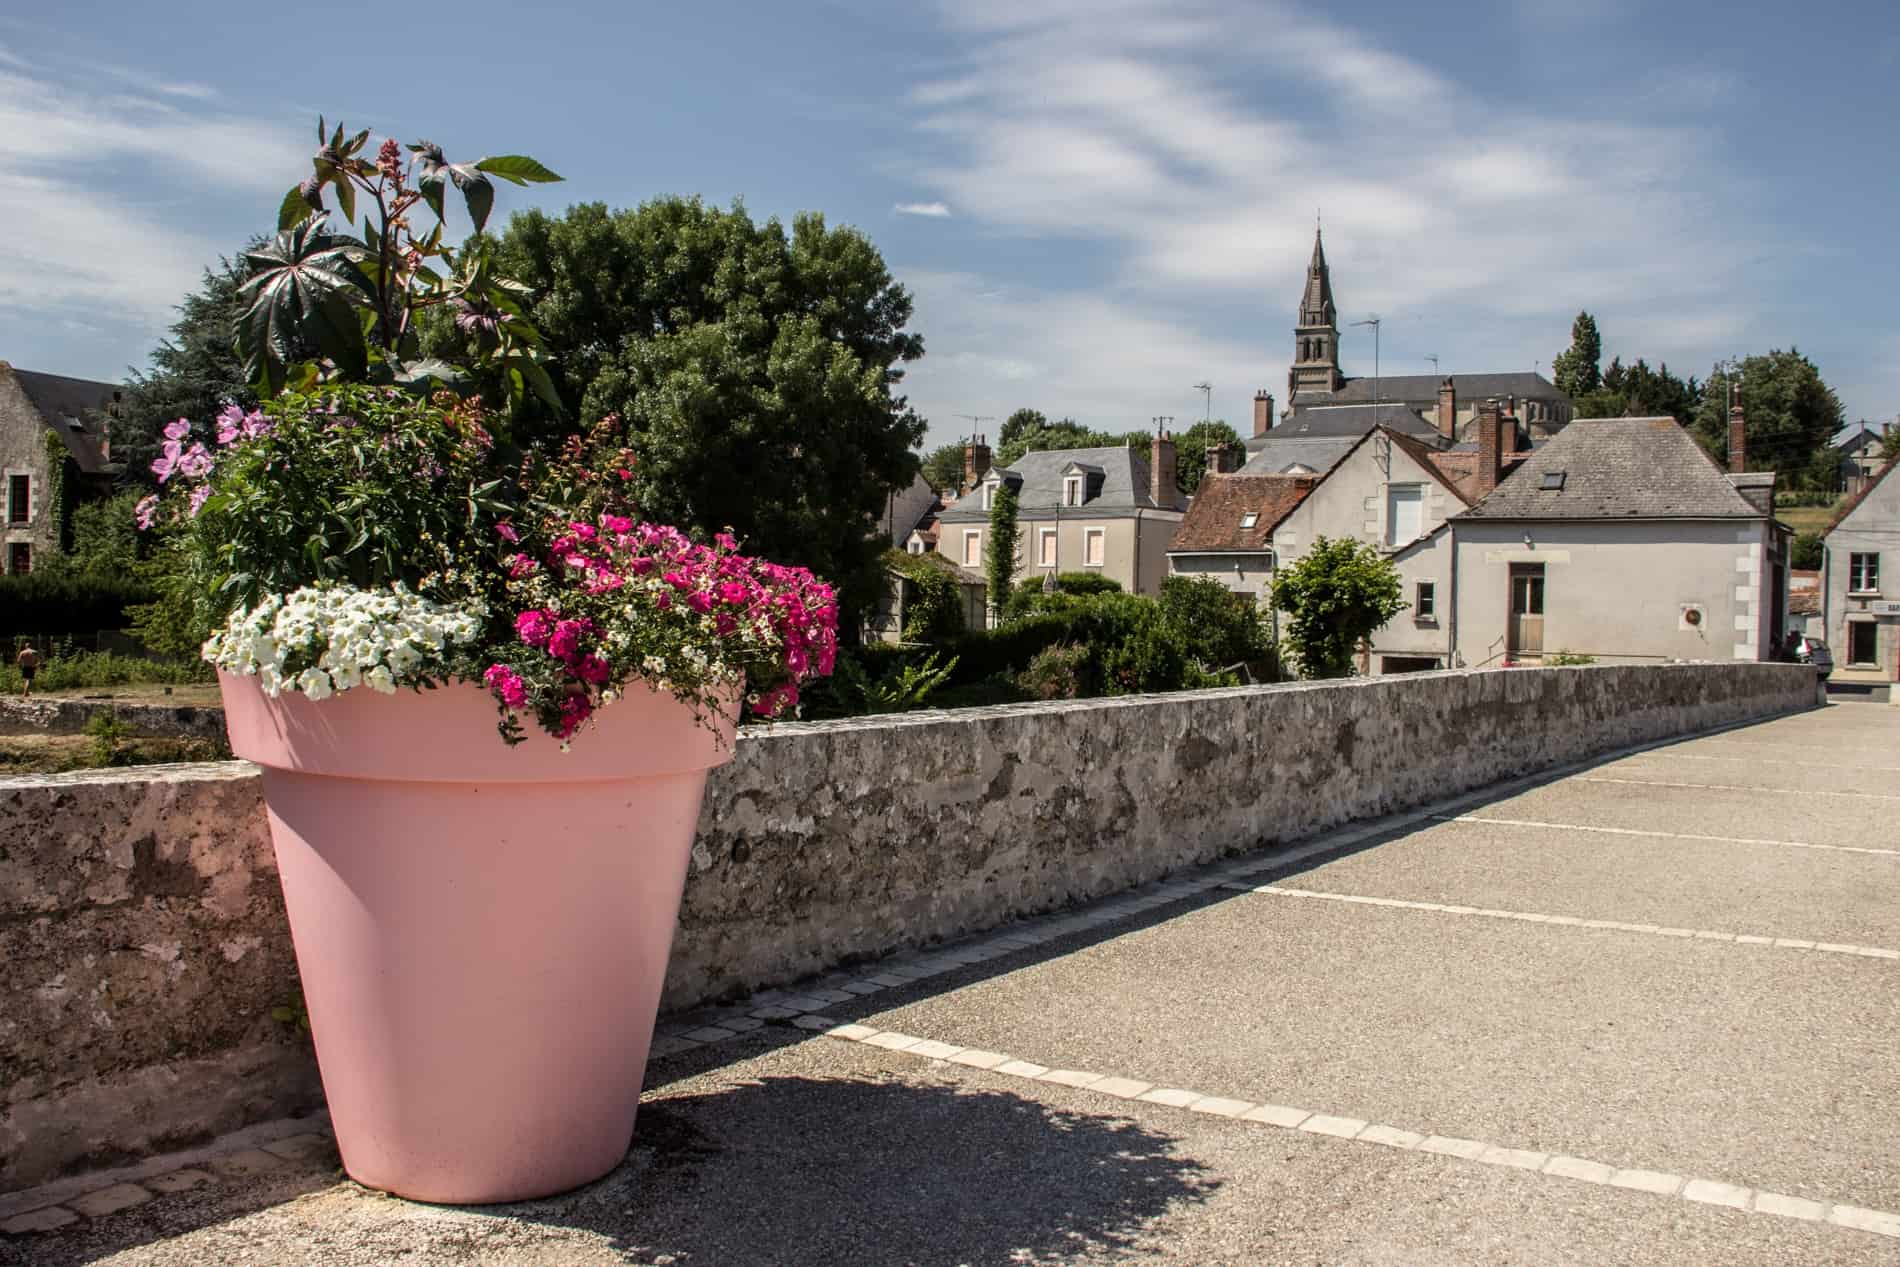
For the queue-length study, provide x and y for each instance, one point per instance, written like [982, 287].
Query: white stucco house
[1860, 582]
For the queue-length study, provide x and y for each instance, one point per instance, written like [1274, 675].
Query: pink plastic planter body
[482, 931]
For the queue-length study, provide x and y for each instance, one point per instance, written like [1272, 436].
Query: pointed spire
[1317, 306]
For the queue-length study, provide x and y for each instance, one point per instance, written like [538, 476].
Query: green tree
[1807, 550]
[1190, 451]
[1574, 369]
[1890, 447]
[752, 370]
[1335, 597]
[943, 468]
[999, 557]
[1018, 424]
[1041, 436]
[1791, 415]
[192, 374]
[1212, 623]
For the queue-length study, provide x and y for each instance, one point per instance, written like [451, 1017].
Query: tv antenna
[1207, 400]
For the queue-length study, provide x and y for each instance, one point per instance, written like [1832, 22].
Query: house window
[972, 547]
[1072, 490]
[1249, 519]
[989, 496]
[1404, 513]
[1553, 481]
[19, 558]
[19, 499]
[1863, 573]
[1863, 643]
[916, 546]
[1094, 547]
[1046, 548]
[1425, 601]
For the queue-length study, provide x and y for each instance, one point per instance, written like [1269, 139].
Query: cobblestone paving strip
[1609, 925]
[1558, 1166]
[1737, 787]
[1663, 835]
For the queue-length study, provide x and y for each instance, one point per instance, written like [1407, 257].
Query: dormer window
[1072, 490]
[989, 496]
[1249, 519]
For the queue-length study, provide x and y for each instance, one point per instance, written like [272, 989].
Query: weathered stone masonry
[144, 947]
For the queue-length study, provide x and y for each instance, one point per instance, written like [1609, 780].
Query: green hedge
[42, 604]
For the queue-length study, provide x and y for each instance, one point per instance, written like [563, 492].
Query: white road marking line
[1358, 1130]
[1733, 787]
[1533, 917]
[1663, 835]
[1803, 765]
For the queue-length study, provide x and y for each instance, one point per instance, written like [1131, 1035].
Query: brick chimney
[1262, 412]
[1223, 458]
[1490, 446]
[1737, 432]
[1448, 411]
[1161, 472]
[976, 463]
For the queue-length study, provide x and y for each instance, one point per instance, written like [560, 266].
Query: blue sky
[1097, 203]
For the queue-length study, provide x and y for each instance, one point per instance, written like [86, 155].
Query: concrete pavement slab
[1822, 895]
[833, 1152]
[1770, 1069]
[1749, 815]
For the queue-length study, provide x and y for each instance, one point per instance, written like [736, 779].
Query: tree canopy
[1190, 451]
[1574, 370]
[751, 369]
[943, 468]
[1336, 596]
[192, 374]
[1791, 416]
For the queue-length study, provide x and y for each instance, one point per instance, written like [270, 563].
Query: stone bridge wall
[144, 948]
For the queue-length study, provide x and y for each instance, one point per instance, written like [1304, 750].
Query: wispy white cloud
[1189, 142]
[934, 209]
[97, 189]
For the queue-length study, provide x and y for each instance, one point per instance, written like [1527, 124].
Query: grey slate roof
[72, 408]
[1856, 435]
[1618, 468]
[1268, 456]
[1353, 420]
[1123, 488]
[1423, 388]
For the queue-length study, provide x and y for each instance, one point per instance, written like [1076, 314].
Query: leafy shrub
[1807, 551]
[1214, 625]
[934, 610]
[876, 679]
[45, 603]
[1562, 658]
[71, 671]
[109, 736]
[1055, 673]
[1023, 598]
[1336, 596]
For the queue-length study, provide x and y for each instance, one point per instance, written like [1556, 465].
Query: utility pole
[1374, 322]
[1207, 400]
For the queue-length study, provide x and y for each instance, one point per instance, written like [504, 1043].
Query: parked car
[1812, 651]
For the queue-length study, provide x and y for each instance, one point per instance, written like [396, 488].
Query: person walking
[28, 662]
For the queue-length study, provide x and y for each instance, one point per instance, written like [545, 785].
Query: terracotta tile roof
[1851, 504]
[1214, 519]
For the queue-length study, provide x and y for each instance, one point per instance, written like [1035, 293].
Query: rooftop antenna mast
[1207, 400]
[1374, 321]
[1433, 358]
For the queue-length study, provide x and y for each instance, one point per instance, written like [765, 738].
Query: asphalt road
[1711, 1021]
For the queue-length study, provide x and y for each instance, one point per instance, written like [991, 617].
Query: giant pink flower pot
[482, 931]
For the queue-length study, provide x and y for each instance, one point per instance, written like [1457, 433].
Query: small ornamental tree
[1335, 597]
[999, 561]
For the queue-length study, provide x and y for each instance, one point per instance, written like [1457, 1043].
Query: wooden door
[1526, 635]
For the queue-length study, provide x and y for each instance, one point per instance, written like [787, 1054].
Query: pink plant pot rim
[365, 735]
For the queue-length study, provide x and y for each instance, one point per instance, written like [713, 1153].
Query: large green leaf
[477, 190]
[303, 296]
[294, 210]
[518, 168]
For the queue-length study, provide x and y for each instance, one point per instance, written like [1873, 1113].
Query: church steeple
[1316, 336]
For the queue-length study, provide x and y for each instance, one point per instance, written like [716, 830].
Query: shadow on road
[857, 1168]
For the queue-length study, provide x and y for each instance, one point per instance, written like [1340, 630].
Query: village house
[1859, 448]
[1111, 511]
[1860, 582]
[1389, 489]
[51, 427]
[1622, 540]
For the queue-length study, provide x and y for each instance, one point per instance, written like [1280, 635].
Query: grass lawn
[1805, 518]
[190, 695]
[53, 754]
